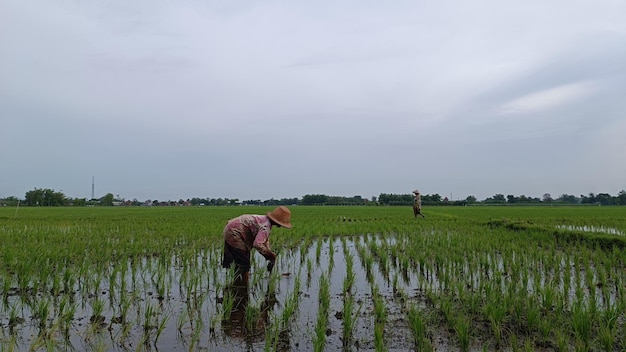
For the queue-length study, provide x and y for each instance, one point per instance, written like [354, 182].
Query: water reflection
[246, 321]
[601, 229]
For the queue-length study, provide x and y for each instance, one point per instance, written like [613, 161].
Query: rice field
[346, 279]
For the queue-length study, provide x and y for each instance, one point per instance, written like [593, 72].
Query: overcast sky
[170, 99]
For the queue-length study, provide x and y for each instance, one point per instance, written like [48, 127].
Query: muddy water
[191, 303]
[171, 304]
[293, 267]
[607, 230]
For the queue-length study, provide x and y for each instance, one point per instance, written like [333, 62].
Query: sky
[175, 99]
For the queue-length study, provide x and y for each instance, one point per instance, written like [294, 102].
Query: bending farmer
[245, 232]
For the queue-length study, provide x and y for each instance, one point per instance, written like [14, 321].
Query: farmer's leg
[227, 258]
[241, 259]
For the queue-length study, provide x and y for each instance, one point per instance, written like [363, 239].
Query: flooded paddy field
[346, 279]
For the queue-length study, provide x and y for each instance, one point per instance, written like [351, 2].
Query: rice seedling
[607, 338]
[15, 318]
[512, 268]
[291, 305]
[349, 319]
[160, 328]
[496, 314]
[272, 340]
[6, 287]
[67, 310]
[227, 303]
[417, 322]
[462, 328]
[582, 324]
[319, 338]
[318, 250]
[379, 344]
[41, 312]
[252, 314]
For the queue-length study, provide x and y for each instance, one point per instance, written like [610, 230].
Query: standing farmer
[417, 204]
[245, 232]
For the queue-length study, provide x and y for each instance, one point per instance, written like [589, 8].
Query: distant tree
[107, 200]
[568, 199]
[79, 202]
[312, 199]
[396, 199]
[271, 202]
[498, 198]
[34, 197]
[621, 197]
[334, 200]
[590, 199]
[428, 199]
[604, 199]
[45, 197]
[10, 201]
[511, 199]
[470, 200]
[525, 199]
[289, 201]
[219, 201]
[547, 198]
[384, 198]
[197, 201]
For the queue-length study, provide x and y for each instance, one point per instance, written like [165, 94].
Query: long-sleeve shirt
[417, 201]
[249, 231]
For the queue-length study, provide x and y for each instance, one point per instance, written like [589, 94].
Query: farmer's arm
[262, 244]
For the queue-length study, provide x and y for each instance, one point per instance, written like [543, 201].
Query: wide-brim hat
[281, 216]
[416, 191]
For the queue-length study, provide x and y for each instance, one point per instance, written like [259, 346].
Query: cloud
[354, 96]
[548, 99]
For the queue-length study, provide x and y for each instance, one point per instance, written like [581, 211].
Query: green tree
[621, 197]
[45, 197]
[567, 198]
[604, 199]
[10, 201]
[79, 202]
[498, 198]
[107, 200]
[34, 197]
[429, 199]
[588, 199]
[312, 199]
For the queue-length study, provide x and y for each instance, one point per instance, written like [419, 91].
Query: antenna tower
[92, 186]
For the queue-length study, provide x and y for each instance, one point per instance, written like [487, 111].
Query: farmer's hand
[271, 261]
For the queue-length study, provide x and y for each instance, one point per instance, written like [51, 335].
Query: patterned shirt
[417, 201]
[249, 231]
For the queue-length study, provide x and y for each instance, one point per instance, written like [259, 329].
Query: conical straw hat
[281, 216]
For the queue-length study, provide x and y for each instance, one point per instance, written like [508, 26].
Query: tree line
[50, 197]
